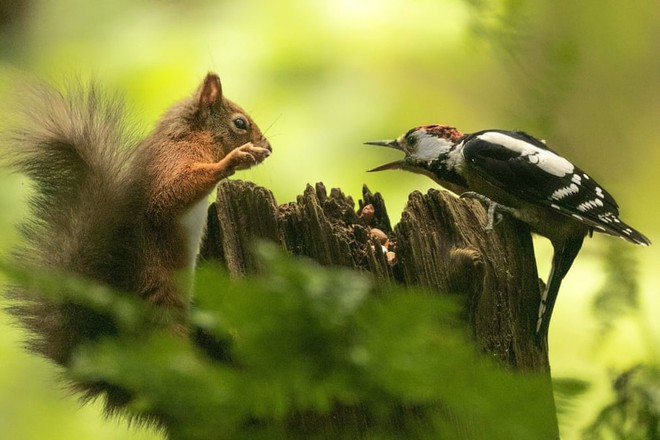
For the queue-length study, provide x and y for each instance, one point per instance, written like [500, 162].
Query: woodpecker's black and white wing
[526, 168]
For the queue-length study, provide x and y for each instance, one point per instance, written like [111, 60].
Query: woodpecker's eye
[240, 123]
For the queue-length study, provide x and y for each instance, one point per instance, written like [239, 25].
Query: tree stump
[440, 243]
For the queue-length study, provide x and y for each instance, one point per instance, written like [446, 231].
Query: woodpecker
[515, 173]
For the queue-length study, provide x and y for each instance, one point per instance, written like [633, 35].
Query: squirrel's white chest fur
[193, 224]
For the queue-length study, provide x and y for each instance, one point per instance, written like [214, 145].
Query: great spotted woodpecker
[514, 172]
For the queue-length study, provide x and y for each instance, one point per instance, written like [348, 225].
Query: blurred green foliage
[634, 413]
[311, 352]
[620, 291]
[322, 77]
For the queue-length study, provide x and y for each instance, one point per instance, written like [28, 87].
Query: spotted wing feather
[525, 167]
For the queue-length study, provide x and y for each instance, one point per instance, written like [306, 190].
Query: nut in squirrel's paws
[247, 155]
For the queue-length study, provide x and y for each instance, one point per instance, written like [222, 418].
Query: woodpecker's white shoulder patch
[544, 159]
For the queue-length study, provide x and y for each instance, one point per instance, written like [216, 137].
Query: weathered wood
[440, 243]
[321, 226]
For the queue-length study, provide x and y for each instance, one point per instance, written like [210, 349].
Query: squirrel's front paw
[246, 156]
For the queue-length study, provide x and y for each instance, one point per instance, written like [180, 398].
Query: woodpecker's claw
[494, 209]
[494, 217]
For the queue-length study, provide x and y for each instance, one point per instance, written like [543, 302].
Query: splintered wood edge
[439, 243]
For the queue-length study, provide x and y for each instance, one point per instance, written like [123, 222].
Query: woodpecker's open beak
[388, 166]
[392, 144]
[396, 165]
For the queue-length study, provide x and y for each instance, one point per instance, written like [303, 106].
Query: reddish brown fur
[194, 147]
[112, 209]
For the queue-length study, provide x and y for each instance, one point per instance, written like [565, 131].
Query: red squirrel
[124, 212]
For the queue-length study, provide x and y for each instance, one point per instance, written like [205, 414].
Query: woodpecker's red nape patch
[444, 131]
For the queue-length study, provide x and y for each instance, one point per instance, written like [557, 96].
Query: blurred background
[320, 78]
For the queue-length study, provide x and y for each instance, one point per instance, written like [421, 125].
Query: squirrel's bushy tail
[77, 151]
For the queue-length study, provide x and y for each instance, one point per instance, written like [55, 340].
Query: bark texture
[439, 243]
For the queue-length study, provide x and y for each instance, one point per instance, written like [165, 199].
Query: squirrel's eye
[240, 123]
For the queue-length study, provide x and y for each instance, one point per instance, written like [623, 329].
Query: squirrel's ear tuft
[210, 92]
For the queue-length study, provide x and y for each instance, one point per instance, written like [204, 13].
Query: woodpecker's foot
[495, 209]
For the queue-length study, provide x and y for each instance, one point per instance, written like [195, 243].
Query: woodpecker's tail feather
[610, 223]
[628, 233]
[605, 221]
[562, 260]
[75, 148]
